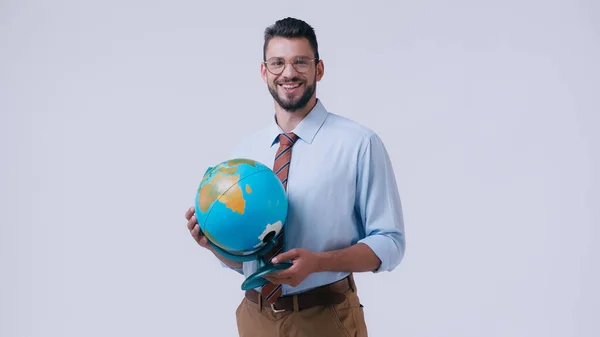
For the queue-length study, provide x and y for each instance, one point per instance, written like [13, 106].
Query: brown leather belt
[324, 295]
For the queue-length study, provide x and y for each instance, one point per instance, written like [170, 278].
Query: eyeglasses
[276, 65]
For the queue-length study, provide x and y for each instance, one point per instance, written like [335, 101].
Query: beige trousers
[340, 320]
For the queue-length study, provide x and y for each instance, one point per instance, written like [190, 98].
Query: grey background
[112, 110]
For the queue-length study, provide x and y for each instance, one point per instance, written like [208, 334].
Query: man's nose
[289, 71]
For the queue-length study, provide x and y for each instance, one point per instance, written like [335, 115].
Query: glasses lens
[275, 64]
[302, 64]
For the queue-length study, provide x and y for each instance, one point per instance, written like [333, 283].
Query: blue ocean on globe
[238, 203]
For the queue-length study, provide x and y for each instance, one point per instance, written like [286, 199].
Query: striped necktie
[281, 167]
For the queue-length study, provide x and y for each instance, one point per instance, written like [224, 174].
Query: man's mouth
[290, 87]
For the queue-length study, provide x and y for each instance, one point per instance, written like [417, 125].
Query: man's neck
[288, 120]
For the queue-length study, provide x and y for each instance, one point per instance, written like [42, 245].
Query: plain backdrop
[112, 110]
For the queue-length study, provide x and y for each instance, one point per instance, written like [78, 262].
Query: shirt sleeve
[239, 270]
[379, 206]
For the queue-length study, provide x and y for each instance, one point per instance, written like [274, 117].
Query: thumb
[289, 255]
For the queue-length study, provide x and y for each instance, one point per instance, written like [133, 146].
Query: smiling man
[344, 214]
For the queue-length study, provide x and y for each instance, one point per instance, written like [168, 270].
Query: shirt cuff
[389, 248]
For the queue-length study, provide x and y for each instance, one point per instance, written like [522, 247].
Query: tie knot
[288, 139]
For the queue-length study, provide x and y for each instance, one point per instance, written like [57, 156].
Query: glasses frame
[314, 61]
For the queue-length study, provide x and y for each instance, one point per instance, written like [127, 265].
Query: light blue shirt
[341, 190]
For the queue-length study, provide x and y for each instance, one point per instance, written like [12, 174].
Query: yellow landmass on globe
[240, 161]
[225, 180]
[227, 170]
[219, 184]
[234, 200]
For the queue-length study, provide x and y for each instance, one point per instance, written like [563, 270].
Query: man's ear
[320, 70]
[263, 72]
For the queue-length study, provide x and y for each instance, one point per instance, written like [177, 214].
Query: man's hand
[356, 258]
[194, 229]
[304, 263]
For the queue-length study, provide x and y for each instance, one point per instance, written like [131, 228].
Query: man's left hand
[304, 263]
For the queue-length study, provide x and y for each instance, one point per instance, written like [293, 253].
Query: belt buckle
[276, 310]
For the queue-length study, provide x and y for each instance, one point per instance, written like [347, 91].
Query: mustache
[289, 80]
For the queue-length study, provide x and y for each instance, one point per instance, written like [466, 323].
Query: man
[344, 212]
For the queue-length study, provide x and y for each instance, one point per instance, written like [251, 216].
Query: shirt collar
[307, 128]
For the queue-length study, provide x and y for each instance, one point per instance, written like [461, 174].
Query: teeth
[290, 86]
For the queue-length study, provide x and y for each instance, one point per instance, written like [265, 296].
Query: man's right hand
[194, 229]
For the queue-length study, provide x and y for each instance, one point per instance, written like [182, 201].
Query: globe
[241, 207]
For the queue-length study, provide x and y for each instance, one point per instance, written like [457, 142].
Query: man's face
[294, 85]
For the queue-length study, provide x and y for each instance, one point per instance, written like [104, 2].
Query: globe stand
[264, 266]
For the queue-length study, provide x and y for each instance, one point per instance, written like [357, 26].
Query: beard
[293, 104]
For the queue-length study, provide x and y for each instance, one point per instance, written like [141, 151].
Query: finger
[289, 255]
[286, 273]
[189, 212]
[274, 275]
[203, 242]
[196, 234]
[200, 238]
[192, 222]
